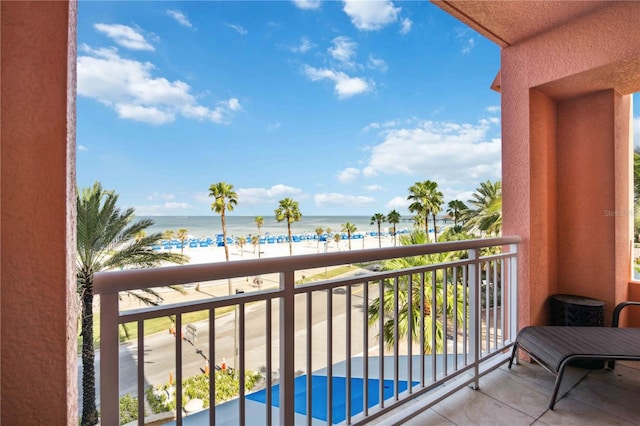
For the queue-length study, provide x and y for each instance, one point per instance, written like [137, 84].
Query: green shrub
[128, 409]
[162, 398]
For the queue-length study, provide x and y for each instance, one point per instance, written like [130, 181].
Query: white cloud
[377, 63]
[343, 50]
[450, 153]
[405, 26]
[345, 86]
[468, 45]
[179, 17]
[397, 203]
[158, 196]
[343, 200]
[348, 175]
[493, 108]
[239, 28]
[124, 36]
[165, 209]
[371, 15]
[467, 42]
[129, 87]
[307, 4]
[274, 126]
[304, 46]
[82, 148]
[374, 188]
[150, 115]
[266, 195]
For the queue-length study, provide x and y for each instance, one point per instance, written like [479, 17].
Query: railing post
[109, 360]
[513, 292]
[287, 350]
[475, 340]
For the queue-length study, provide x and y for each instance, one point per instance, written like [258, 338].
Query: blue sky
[340, 105]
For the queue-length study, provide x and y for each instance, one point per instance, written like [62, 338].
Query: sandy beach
[213, 253]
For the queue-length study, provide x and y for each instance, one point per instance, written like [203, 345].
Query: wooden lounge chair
[554, 347]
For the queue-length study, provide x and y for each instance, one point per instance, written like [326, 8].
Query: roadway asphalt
[160, 352]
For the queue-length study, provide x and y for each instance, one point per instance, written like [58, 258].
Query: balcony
[331, 342]
[322, 330]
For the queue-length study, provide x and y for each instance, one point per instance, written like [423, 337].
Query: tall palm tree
[183, 235]
[394, 219]
[167, 235]
[337, 238]
[485, 216]
[319, 232]
[225, 199]
[434, 204]
[241, 242]
[106, 240]
[427, 199]
[350, 229]
[290, 211]
[419, 205]
[259, 222]
[432, 314]
[255, 241]
[456, 207]
[378, 218]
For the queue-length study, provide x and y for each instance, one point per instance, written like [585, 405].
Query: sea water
[210, 226]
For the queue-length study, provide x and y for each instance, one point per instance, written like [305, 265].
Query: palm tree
[378, 218]
[289, 210]
[427, 199]
[486, 217]
[167, 235]
[394, 219]
[432, 314]
[255, 241]
[183, 235]
[456, 207]
[106, 240]
[337, 237]
[225, 200]
[259, 222]
[435, 204]
[319, 232]
[349, 228]
[241, 242]
[419, 205]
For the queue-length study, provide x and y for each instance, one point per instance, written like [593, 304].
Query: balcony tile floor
[520, 396]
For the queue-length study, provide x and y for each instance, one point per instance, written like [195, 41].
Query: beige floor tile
[471, 407]
[570, 411]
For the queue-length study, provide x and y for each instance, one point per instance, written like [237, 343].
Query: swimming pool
[338, 404]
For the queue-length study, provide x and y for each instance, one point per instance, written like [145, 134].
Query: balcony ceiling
[510, 22]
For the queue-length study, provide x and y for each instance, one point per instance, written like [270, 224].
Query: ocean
[210, 226]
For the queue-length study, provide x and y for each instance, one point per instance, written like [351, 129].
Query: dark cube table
[578, 311]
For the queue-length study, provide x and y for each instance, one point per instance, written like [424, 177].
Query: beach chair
[555, 347]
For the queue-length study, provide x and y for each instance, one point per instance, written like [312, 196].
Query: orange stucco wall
[38, 303]
[567, 157]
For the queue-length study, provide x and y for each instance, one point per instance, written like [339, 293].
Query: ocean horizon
[209, 226]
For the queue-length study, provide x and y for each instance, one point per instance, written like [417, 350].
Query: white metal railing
[475, 332]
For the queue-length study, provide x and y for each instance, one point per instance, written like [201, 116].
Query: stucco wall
[565, 98]
[38, 302]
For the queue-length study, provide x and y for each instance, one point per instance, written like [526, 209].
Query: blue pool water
[319, 393]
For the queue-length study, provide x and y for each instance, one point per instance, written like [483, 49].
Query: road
[159, 349]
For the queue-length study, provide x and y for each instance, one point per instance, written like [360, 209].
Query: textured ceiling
[510, 22]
